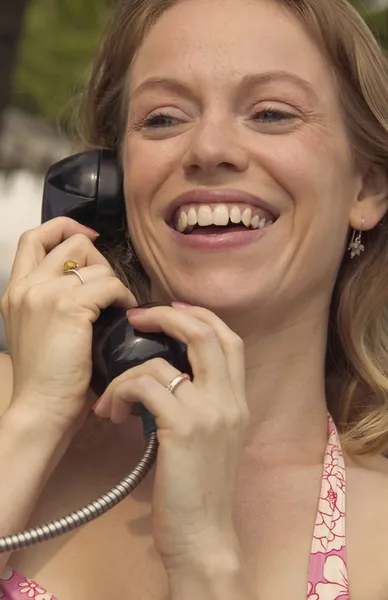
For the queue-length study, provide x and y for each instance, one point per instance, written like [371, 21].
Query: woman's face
[232, 98]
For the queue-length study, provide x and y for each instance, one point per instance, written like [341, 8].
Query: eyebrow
[247, 82]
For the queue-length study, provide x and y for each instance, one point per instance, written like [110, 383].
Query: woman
[270, 117]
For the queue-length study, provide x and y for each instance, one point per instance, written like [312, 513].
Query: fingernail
[180, 305]
[135, 312]
[97, 403]
[93, 231]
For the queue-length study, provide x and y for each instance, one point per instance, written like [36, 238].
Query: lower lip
[218, 241]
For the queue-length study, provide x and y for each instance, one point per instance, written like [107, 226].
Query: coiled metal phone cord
[89, 512]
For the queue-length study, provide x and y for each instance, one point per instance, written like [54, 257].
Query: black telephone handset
[93, 180]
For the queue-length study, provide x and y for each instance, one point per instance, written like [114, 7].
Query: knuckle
[118, 388]
[214, 422]
[4, 305]
[217, 420]
[187, 430]
[63, 306]
[203, 333]
[234, 418]
[115, 285]
[14, 297]
[32, 299]
[156, 365]
[79, 241]
[27, 237]
[211, 423]
[107, 271]
[63, 220]
[143, 382]
[235, 342]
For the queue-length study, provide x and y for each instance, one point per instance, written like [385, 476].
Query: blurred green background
[58, 41]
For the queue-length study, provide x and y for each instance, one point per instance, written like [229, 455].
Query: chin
[229, 291]
[221, 295]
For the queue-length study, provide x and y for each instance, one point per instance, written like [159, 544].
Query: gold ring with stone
[71, 266]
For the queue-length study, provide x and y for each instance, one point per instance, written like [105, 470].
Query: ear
[371, 203]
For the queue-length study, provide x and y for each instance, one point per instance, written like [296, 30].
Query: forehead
[214, 40]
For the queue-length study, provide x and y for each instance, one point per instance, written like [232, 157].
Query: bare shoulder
[374, 464]
[6, 381]
[369, 475]
[367, 526]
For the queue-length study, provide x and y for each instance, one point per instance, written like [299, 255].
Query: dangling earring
[356, 246]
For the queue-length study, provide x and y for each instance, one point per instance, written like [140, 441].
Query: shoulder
[367, 477]
[367, 525]
[6, 381]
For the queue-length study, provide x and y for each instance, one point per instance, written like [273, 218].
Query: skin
[302, 166]
[273, 294]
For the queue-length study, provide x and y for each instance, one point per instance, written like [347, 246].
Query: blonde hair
[357, 351]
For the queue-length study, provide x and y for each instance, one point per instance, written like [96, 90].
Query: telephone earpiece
[91, 182]
[91, 178]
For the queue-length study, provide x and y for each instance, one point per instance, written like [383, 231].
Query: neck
[285, 387]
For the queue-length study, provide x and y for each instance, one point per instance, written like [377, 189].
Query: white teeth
[182, 223]
[255, 222]
[192, 217]
[205, 216]
[219, 215]
[246, 217]
[235, 215]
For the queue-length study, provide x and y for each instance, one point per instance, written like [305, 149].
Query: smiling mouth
[220, 218]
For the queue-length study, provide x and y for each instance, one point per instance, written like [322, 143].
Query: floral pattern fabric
[14, 586]
[328, 577]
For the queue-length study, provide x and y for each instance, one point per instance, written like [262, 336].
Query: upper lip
[218, 196]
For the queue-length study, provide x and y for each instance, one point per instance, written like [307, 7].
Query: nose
[215, 148]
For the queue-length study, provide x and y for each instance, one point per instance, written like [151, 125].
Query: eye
[272, 115]
[159, 121]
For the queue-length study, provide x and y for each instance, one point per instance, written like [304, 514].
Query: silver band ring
[75, 271]
[171, 387]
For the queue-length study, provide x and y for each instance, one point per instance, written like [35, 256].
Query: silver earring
[356, 246]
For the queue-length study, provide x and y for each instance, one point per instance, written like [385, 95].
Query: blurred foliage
[60, 40]
[379, 25]
[377, 21]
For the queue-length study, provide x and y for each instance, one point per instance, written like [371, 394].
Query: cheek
[148, 165]
[317, 174]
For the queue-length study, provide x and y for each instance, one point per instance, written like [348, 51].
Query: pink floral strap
[328, 576]
[14, 586]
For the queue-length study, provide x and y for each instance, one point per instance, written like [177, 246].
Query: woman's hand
[48, 319]
[200, 432]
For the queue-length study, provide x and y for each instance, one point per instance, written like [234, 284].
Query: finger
[116, 402]
[36, 243]
[98, 295]
[67, 280]
[88, 274]
[78, 248]
[205, 353]
[42, 290]
[158, 368]
[67, 301]
[231, 343]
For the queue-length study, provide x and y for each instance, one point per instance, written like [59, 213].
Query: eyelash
[150, 122]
